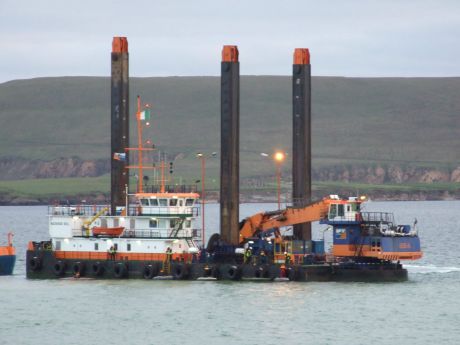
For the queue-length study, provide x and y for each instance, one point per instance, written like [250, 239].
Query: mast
[140, 188]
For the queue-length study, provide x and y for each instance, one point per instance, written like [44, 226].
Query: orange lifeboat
[110, 232]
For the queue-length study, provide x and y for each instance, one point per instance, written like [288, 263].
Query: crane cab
[344, 210]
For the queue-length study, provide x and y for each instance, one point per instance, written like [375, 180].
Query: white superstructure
[153, 223]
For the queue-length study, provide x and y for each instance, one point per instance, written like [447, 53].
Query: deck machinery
[151, 234]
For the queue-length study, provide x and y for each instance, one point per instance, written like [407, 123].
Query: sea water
[423, 310]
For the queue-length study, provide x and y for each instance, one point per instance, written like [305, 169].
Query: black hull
[43, 265]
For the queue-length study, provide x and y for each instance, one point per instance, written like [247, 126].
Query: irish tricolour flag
[145, 115]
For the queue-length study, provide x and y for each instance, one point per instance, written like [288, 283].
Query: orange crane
[264, 221]
[355, 233]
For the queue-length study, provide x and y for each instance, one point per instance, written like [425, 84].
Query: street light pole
[202, 157]
[278, 183]
[279, 158]
[203, 196]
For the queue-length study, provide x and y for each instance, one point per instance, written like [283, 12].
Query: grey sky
[346, 38]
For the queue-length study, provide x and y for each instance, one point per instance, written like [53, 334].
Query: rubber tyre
[78, 267]
[120, 270]
[180, 271]
[150, 271]
[291, 273]
[59, 268]
[211, 272]
[230, 272]
[274, 272]
[261, 272]
[35, 264]
[97, 268]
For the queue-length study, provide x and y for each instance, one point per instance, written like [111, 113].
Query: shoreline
[246, 197]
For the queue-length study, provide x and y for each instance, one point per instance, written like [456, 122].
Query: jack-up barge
[153, 233]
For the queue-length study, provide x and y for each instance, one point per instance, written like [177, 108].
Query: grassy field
[408, 187]
[62, 188]
[55, 187]
[355, 120]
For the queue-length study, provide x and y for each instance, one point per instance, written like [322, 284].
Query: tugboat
[155, 228]
[7, 257]
[141, 240]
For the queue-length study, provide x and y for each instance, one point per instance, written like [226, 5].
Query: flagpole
[139, 137]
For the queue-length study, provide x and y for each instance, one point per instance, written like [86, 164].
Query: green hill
[355, 120]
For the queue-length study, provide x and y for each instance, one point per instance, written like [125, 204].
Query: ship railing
[196, 234]
[348, 218]
[104, 210]
[187, 211]
[171, 189]
[78, 210]
[160, 233]
[148, 233]
[378, 217]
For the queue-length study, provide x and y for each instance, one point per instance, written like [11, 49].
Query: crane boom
[360, 234]
[289, 216]
[87, 224]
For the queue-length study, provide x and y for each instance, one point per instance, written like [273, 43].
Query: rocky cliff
[381, 174]
[19, 168]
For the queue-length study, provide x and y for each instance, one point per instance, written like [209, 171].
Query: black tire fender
[230, 272]
[150, 271]
[180, 271]
[120, 270]
[78, 267]
[211, 272]
[59, 268]
[291, 273]
[273, 272]
[97, 268]
[35, 263]
[261, 272]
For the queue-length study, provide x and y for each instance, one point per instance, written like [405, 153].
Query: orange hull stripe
[7, 251]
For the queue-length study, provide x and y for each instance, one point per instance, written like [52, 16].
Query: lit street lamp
[279, 157]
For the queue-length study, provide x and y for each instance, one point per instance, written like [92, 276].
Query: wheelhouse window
[333, 211]
[145, 202]
[153, 202]
[189, 202]
[163, 202]
[172, 202]
[153, 223]
[128, 247]
[188, 223]
[340, 210]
